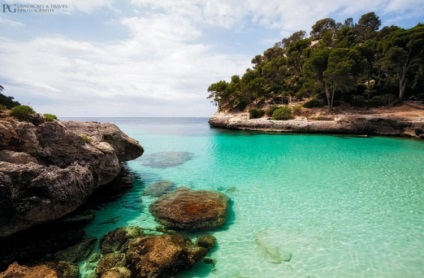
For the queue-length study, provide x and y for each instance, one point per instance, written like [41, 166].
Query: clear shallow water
[302, 205]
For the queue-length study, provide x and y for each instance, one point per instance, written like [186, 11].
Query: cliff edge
[50, 168]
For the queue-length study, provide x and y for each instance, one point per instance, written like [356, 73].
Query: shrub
[391, 100]
[256, 113]
[2, 107]
[376, 101]
[314, 103]
[22, 112]
[86, 138]
[357, 100]
[282, 113]
[297, 110]
[271, 110]
[49, 117]
[241, 105]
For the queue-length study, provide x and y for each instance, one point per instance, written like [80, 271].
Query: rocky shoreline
[50, 168]
[355, 124]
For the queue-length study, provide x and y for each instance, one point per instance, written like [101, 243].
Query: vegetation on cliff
[5, 101]
[358, 63]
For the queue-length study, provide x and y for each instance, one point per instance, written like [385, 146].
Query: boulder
[162, 255]
[49, 169]
[191, 210]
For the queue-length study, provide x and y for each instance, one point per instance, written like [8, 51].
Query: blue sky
[151, 58]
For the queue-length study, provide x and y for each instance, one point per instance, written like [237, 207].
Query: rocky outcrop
[367, 124]
[50, 168]
[191, 210]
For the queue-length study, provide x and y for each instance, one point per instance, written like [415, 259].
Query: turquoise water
[302, 205]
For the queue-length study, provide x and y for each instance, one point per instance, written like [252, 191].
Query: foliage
[337, 61]
[2, 107]
[86, 138]
[376, 101]
[271, 110]
[297, 110]
[256, 113]
[8, 102]
[315, 102]
[49, 117]
[358, 100]
[22, 112]
[282, 113]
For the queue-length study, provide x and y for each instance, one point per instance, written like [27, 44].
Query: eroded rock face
[191, 210]
[31, 193]
[162, 256]
[49, 169]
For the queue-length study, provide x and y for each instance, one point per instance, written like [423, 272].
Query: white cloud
[164, 66]
[159, 68]
[11, 23]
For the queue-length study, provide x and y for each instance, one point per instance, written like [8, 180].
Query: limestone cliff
[359, 124]
[50, 168]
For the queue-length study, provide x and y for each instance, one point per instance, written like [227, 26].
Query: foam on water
[302, 205]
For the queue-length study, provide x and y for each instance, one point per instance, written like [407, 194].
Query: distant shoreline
[400, 122]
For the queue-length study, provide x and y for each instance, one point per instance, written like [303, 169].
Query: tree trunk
[332, 98]
[402, 88]
[328, 96]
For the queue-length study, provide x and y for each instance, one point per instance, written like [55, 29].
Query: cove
[302, 205]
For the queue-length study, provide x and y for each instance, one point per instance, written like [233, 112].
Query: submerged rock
[128, 252]
[206, 241]
[78, 252]
[159, 188]
[114, 240]
[191, 210]
[113, 265]
[162, 255]
[166, 159]
[270, 248]
[47, 270]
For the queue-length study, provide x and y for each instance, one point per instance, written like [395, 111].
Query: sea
[301, 205]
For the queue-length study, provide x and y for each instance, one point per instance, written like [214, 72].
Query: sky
[152, 58]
